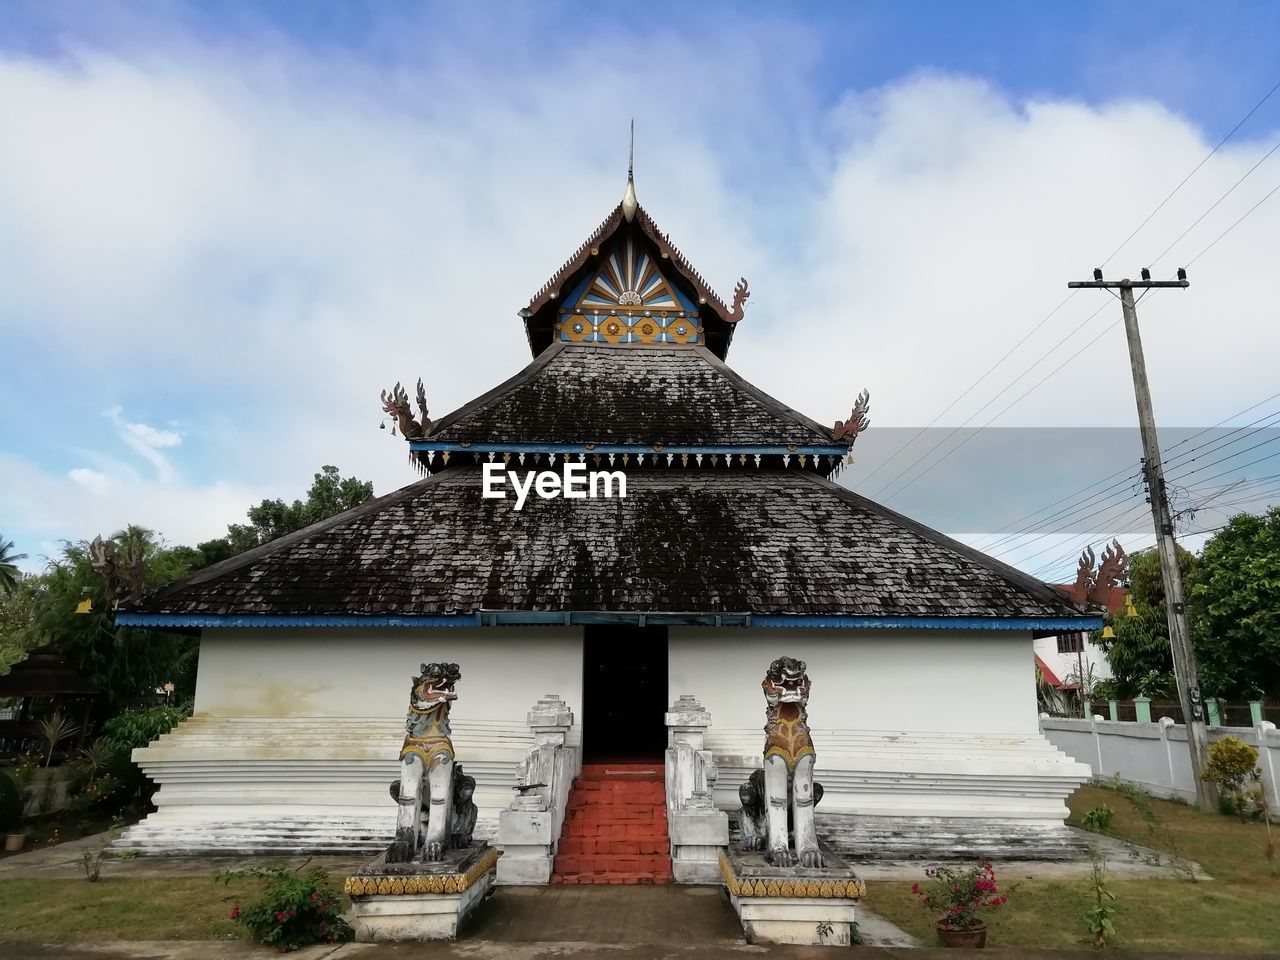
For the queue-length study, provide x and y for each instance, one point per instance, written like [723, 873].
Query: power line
[1194, 171]
[1072, 496]
[1230, 456]
[1121, 513]
[1035, 386]
[1025, 337]
[1270, 456]
[1221, 443]
[1267, 96]
[1116, 519]
[1065, 513]
[1089, 508]
[1213, 206]
[1118, 511]
[1234, 225]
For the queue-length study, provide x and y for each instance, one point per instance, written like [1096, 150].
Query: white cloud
[147, 441]
[274, 239]
[86, 502]
[94, 481]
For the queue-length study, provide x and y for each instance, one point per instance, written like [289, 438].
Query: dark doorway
[624, 693]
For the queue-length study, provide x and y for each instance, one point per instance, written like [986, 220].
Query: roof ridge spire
[629, 202]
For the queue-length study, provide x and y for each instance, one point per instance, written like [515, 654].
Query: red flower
[915, 888]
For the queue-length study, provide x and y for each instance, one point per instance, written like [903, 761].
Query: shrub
[297, 908]
[1098, 819]
[961, 892]
[1233, 768]
[137, 728]
[24, 768]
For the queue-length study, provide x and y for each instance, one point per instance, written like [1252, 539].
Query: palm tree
[9, 565]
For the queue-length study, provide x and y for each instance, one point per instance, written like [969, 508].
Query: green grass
[166, 908]
[1237, 912]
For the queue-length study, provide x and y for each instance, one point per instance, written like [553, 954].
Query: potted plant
[960, 893]
[11, 813]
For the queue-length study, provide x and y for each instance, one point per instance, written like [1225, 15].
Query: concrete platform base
[798, 905]
[420, 901]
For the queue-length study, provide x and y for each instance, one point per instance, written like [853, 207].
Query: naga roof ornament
[397, 405]
[848, 430]
[1094, 589]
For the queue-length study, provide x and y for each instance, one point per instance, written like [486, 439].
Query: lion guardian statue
[778, 802]
[436, 809]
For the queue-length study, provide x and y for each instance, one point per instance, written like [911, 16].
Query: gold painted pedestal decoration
[421, 900]
[809, 905]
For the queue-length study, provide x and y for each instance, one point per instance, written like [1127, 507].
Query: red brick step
[616, 827]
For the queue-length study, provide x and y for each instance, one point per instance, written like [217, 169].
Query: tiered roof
[652, 400]
[777, 547]
[728, 516]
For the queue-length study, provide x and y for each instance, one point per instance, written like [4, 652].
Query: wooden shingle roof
[649, 395]
[733, 541]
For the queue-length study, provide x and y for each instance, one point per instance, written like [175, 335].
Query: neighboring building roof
[46, 673]
[1049, 676]
[768, 542]
[606, 394]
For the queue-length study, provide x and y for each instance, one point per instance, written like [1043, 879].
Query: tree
[125, 662]
[9, 572]
[17, 621]
[1236, 600]
[1233, 591]
[330, 493]
[1139, 654]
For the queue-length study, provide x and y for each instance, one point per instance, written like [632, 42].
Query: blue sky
[225, 226]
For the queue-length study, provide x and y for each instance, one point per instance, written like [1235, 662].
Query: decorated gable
[628, 299]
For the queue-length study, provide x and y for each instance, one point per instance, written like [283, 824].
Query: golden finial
[629, 202]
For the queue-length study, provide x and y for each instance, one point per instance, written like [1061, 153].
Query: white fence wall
[1154, 755]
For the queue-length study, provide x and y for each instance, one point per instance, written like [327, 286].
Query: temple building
[715, 538]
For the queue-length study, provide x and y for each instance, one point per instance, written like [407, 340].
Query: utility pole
[1184, 656]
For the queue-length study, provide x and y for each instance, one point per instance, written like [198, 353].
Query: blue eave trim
[577, 618]
[931, 623]
[453, 446]
[268, 620]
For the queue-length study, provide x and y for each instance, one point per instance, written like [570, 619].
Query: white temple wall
[339, 672]
[932, 731]
[296, 732]
[969, 680]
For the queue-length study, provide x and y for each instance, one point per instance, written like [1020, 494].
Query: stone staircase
[616, 828]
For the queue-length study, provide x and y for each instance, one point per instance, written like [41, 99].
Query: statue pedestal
[809, 905]
[420, 901]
